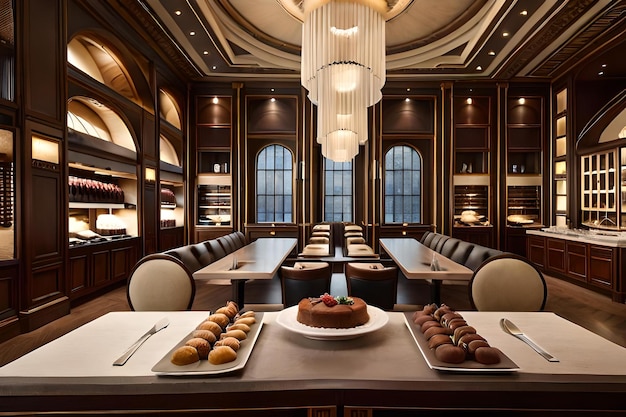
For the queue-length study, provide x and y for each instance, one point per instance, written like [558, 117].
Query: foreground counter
[288, 374]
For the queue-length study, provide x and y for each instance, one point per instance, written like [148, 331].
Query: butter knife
[159, 325]
[512, 329]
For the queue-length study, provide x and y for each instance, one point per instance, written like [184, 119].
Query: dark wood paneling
[150, 138]
[45, 226]
[100, 265]
[79, 272]
[555, 254]
[171, 238]
[577, 260]
[537, 251]
[267, 116]
[602, 266]
[412, 116]
[43, 54]
[480, 235]
[9, 325]
[150, 221]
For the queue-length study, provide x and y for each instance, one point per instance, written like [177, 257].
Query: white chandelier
[343, 69]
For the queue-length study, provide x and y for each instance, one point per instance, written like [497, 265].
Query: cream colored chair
[160, 282]
[508, 283]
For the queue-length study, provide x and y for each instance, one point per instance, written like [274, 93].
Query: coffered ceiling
[426, 39]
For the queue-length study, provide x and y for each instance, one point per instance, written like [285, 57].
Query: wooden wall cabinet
[593, 265]
[99, 265]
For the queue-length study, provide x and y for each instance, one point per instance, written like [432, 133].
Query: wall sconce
[150, 175]
[45, 150]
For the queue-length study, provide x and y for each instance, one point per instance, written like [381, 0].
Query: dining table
[418, 261]
[382, 369]
[259, 259]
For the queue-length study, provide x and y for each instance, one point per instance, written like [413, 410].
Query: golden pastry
[246, 320]
[211, 326]
[239, 326]
[229, 312]
[202, 346]
[219, 318]
[229, 341]
[207, 335]
[237, 334]
[185, 355]
[222, 354]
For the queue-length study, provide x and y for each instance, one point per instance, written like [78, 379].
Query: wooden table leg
[238, 286]
[435, 291]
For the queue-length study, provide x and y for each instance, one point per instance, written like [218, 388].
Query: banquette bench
[199, 255]
[502, 281]
[158, 281]
[465, 253]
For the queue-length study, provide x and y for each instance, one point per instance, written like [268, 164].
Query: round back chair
[375, 284]
[508, 283]
[304, 279]
[160, 282]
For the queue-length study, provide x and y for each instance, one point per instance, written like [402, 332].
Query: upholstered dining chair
[160, 282]
[374, 283]
[521, 288]
[304, 279]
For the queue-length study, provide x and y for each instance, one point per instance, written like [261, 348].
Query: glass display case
[524, 205]
[214, 200]
[471, 205]
[598, 190]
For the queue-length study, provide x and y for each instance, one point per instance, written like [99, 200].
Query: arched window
[274, 185]
[403, 185]
[338, 193]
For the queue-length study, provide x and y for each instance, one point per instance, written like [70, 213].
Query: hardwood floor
[588, 309]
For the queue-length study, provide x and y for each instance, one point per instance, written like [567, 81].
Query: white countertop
[613, 239]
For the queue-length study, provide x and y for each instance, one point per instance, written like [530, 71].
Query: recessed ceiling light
[215, 100]
[491, 53]
[601, 73]
[408, 89]
[205, 52]
[213, 67]
[522, 100]
[469, 100]
[272, 90]
[603, 65]
[407, 99]
[192, 33]
[178, 12]
[524, 12]
[505, 34]
[479, 68]
[272, 99]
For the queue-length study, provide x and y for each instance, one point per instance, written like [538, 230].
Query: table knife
[512, 329]
[159, 325]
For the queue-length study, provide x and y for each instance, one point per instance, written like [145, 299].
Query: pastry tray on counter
[505, 365]
[204, 367]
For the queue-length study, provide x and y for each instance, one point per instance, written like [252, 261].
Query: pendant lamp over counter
[343, 69]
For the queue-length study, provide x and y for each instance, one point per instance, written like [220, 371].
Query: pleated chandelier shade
[343, 69]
